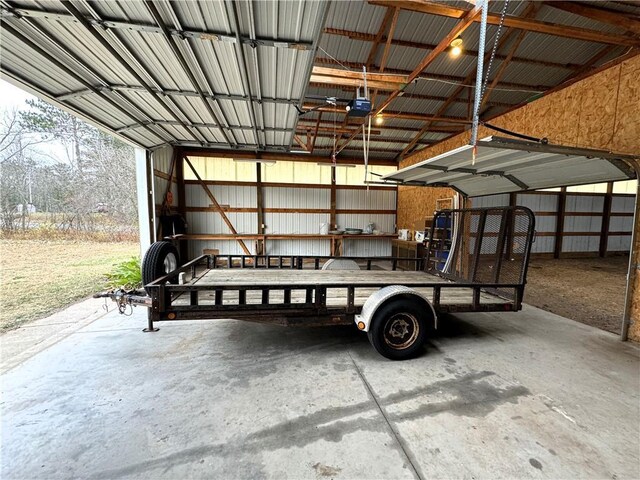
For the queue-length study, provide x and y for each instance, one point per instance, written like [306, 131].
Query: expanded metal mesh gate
[482, 245]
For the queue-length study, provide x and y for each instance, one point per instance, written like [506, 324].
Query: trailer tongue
[476, 261]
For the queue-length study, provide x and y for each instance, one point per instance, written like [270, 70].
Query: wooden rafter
[283, 156]
[530, 10]
[352, 82]
[329, 129]
[377, 138]
[392, 114]
[368, 37]
[437, 98]
[466, 20]
[624, 20]
[325, 126]
[435, 76]
[377, 39]
[515, 22]
[371, 77]
[300, 142]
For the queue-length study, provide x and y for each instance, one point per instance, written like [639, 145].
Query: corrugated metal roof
[217, 92]
[504, 165]
[63, 55]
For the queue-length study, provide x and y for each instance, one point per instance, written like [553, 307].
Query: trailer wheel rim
[170, 263]
[401, 331]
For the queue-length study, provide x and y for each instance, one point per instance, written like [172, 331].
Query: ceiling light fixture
[379, 119]
[456, 48]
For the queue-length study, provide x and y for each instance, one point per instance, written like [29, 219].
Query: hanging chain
[495, 48]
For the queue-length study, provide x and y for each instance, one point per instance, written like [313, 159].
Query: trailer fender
[379, 298]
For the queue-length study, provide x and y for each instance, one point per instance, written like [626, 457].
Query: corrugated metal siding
[298, 247]
[584, 203]
[363, 199]
[162, 159]
[491, 201]
[621, 224]
[232, 196]
[211, 222]
[538, 202]
[623, 204]
[224, 247]
[582, 223]
[294, 222]
[580, 244]
[365, 248]
[278, 197]
[619, 243]
[384, 223]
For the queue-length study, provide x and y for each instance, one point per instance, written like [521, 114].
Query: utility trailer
[476, 261]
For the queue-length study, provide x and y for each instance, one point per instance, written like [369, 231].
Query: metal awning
[505, 165]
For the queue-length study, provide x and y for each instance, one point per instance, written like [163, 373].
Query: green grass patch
[39, 277]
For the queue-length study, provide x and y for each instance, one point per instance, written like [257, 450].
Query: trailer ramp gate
[482, 246]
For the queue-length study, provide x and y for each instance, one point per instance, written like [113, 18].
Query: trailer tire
[160, 259]
[398, 329]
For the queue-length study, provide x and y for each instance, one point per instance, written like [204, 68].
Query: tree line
[95, 179]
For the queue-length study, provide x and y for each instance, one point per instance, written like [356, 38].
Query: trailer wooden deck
[365, 282]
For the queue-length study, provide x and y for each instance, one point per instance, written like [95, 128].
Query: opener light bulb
[456, 48]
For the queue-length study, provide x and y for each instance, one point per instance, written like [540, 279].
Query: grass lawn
[39, 277]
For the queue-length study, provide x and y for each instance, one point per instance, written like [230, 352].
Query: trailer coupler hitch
[126, 298]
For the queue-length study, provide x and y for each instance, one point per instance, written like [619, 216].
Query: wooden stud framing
[218, 207]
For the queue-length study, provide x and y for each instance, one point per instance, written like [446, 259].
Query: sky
[12, 97]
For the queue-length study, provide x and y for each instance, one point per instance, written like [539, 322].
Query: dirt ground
[589, 290]
[39, 277]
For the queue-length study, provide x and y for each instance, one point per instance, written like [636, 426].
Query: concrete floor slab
[526, 395]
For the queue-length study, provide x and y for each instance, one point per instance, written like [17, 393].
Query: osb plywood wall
[418, 203]
[601, 111]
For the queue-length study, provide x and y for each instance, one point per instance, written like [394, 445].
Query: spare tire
[161, 258]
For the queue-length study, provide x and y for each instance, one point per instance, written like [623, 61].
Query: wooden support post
[477, 250]
[562, 204]
[218, 207]
[151, 207]
[606, 220]
[513, 200]
[260, 250]
[332, 218]
[505, 222]
[183, 246]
